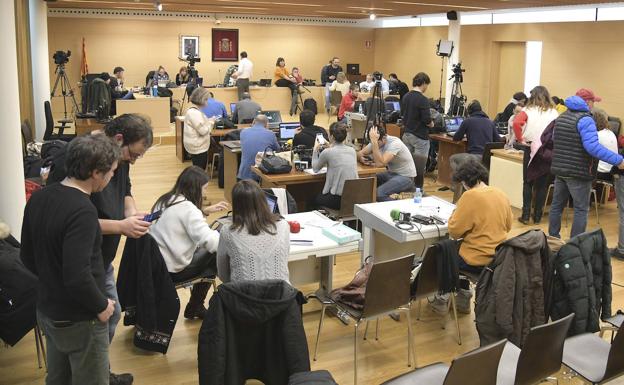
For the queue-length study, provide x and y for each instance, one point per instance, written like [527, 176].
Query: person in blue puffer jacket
[576, 154]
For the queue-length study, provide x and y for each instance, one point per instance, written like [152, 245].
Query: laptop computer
[393, 106]
[265, 82]
[163, 83]
[452, 124]
[287, 130]
[232, 108]
[274, 117]
[272, 202]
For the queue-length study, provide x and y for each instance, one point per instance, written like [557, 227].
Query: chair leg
[596, 206]
[37, 346]
[454, 306]
[418, 310]
[365, 330]
[355, 353]
[318, 335]
[411, 349]
[377, 330]
[40, 347]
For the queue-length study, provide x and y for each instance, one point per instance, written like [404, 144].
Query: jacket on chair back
[252, 330]
[582, 282]
[510, 296]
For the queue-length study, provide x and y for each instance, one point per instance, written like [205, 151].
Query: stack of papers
[311, 171]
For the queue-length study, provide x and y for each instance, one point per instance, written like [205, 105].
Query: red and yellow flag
[84, 65]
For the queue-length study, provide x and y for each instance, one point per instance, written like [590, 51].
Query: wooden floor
[378, 360]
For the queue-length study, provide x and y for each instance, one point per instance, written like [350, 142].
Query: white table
[383, 240]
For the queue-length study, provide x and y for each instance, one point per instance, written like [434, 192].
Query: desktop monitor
[393, 106]
[274, 117]
[452, 124]
[232, 108]
[287, 130]
[353, 69]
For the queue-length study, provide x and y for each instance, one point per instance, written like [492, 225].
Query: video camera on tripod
[61, 57]
[191, 59]
[458, 73]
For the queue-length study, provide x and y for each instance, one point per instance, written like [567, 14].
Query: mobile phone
[153, 216]
[320, 138]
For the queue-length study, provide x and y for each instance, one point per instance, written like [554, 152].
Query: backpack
[310, 104]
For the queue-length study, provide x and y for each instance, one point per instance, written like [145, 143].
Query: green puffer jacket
[582, 282]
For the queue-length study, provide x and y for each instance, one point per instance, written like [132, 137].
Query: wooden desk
[84, 126]
[231, 162]
[506, 174]
[303, 186]
[156, 108]
[447, 148]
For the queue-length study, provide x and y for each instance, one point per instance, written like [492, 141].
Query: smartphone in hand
[320, 139]
[153, 216]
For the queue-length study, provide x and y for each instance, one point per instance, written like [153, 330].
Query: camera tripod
[191, 85]
[299, 106]
[458, 99]
[379, 107]
[66, 89]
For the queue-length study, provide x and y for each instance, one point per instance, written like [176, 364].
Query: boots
[526, 216]
[195, 307]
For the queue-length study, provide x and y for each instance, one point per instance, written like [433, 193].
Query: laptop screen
[232, 108]
[393, 106]
[287, 130]
[452, 124]
[272, 202]
[274, 117]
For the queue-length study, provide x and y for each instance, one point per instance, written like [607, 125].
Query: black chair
[149, 77]
[387, 290]
[49, 130]
[27, 137]
[593, 358]
[614, 324]
[478, 367]
[539, 358]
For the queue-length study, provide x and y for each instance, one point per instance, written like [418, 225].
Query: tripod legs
[66, 89]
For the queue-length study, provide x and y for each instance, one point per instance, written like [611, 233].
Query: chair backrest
[615, 125]
[388, 286]
[358, 129]
[542, 351]
[487, 152]
[615, 362]
[49, 128]
[478, 367]
[148, 77]
[356, 191]
[335, 97]
[427, 279]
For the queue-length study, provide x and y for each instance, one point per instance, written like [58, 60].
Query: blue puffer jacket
[589, 135]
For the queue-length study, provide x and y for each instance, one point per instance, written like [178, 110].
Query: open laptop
[393, 106]
[232, 108]
[452, 124]
[274, 117]
[163, 83]
[272, 202]
[287, 130]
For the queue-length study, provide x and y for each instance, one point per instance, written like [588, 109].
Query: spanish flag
[84, 65]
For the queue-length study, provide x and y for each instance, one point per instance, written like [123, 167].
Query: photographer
[341, 163]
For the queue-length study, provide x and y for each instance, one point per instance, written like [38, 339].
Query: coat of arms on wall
[224, 44]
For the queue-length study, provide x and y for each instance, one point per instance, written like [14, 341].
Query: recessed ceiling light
[372, 16]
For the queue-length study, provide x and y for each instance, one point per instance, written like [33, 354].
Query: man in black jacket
[518, 97]
[396, 85]
[328, 75]
[61, 244]
[478, 128]
[308, 131]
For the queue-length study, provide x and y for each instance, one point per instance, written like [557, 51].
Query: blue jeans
[419, 148]
[110, 291]
[77, 352]
[389, 183]
[579, 190]
[327, 85]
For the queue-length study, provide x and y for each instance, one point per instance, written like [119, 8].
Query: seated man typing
[390, 152]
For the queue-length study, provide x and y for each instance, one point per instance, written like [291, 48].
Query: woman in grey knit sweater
[257, 243]
[341, 162]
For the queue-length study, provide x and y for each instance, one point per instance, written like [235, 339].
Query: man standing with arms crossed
[61, 244]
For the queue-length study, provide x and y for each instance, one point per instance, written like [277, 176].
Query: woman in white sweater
[197, 128]
[186, 241]
[340, 84]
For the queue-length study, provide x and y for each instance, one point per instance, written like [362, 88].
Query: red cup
[295, 227]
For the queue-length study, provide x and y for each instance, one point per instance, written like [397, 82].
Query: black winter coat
[582, 282]
[252, 329]
[510, 297]
[147, 294]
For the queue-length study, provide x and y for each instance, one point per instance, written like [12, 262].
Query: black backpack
[310, 104]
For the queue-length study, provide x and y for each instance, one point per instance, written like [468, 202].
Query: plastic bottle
[360, 109]
[418, 196]
[154, 90]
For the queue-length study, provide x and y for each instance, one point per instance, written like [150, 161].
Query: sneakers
[463, 301]
[120, 379]
[439, 303]
[615, 253]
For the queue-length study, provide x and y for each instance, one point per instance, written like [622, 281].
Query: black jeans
[328, 200]
[540, 186]
[200, 160]
[203, 264]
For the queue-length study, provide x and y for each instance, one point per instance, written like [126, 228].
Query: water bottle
[418, 196]
[154, 90]
[360, 109]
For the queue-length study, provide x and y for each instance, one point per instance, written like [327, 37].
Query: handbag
[353, 293]
[273, 164]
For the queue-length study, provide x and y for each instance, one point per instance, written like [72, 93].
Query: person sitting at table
[216, 109]
[117, 83]
[340, 84]
[348, 101]
[341, 163]
[368, 85]
[478, 129]
[257, 243]
[246, 110]
[160, 74]
[306, 135]
[390, 152]
[182, 77]
[253, 140]
[186, 241]
[283, 78]
[197, 128]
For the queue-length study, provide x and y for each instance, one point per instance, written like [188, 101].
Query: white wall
[40, 58]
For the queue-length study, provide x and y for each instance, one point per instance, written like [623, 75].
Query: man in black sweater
[306, 135]
[417, 120]
[328, 75]
[115, 205]
[397, 86]
[478, 128]
[61, 244]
